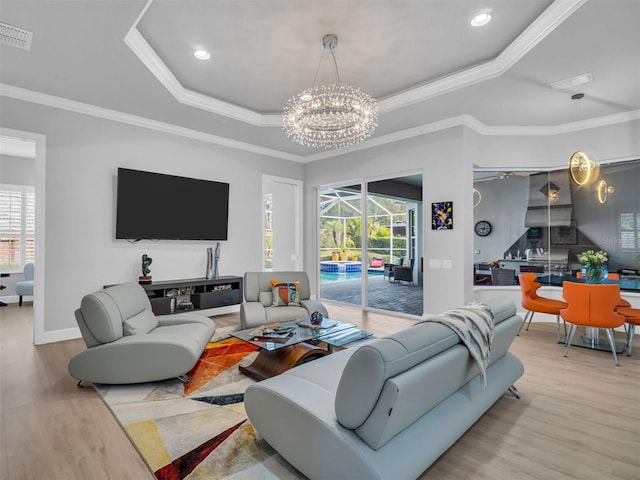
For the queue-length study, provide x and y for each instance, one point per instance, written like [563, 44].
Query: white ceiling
[421, 60]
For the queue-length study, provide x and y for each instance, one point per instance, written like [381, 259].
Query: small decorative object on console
[145, 278]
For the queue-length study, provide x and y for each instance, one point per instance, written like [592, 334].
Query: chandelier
[330, 116]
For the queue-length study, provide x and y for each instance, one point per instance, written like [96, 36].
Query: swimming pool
[339, 276]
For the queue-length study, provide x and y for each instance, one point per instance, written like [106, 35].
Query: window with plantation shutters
[630, 230]
[17, 227]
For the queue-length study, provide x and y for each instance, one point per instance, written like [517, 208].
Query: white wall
[17, 170]
[83, 154]
[447, 159]
[440, 157]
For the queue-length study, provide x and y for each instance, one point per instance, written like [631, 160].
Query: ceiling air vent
[14, 36]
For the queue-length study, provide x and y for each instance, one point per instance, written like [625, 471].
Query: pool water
[339, 276]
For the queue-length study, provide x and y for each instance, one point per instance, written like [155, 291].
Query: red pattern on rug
[184, 465]
[217, 358]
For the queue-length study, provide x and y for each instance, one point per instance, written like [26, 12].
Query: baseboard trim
[59, 336]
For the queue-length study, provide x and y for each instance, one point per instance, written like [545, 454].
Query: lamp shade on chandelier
[330, 116]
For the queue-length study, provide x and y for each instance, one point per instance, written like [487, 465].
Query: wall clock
[482, 228]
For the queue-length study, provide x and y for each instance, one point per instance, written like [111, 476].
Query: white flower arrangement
[593, 258]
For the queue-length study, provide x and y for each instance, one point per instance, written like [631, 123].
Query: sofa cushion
[285, 293]
[265, 298]
[139, 324]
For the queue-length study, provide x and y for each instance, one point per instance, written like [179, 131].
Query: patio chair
[377, 262]
[404, 273]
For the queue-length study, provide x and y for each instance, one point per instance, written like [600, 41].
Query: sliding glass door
[341, 244]
[377, 266]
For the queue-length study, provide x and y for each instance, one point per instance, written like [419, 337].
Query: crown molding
[139, 46]
[551, 18]
[100, 112]
[460, 120]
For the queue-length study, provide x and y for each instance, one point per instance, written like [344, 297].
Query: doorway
[378, 225]
[25, 144]
[282, 224]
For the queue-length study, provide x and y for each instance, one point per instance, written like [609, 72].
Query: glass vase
[595, 273]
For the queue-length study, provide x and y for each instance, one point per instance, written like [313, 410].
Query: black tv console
[175, 296]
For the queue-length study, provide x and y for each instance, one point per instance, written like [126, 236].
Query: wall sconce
[477, 197]
[580, 167]
[603, 190]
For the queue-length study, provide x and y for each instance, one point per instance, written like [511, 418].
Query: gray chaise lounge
[127, 343]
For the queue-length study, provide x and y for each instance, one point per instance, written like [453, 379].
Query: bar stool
[632, 317]
[533, 303]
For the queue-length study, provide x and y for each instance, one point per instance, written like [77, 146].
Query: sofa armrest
[252, 314]
[296, 417]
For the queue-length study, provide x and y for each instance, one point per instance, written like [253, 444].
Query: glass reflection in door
[340, 240]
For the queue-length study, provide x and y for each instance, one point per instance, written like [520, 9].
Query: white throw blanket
[474, 325]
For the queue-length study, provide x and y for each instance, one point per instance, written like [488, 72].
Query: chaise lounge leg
[20, 301]
[79, 385]
[183, 378]
[514, 391]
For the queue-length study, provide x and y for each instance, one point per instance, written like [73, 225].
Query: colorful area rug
[199, 430]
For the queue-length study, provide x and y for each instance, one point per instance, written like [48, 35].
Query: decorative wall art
[442, 216]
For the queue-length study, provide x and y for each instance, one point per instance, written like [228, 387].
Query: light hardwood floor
[579, 417]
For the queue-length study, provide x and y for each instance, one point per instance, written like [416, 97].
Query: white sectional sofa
[387, 409]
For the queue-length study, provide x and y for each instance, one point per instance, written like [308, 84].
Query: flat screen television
[168, 207]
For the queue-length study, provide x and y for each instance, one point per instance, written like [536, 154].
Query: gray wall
[17, 170]
[82, 157]
[83, 154]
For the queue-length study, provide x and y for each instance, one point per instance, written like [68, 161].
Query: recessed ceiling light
[480, 20]
[201, 55]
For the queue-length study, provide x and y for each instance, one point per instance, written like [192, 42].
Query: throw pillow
[285, 293]
[139, 324]
[399, 261]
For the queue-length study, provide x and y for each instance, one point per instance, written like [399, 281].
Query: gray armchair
[127, 343]
[25, 287]
[259, 308]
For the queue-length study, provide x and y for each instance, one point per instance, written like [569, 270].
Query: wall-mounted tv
[167, 207]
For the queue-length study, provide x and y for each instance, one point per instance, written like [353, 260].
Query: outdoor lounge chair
[377, 262]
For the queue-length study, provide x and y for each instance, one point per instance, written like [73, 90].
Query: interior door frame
[298, 209]
[39, 336]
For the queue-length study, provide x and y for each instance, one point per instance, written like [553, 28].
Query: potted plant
[594, 269]
[335, 256]
[344, 255]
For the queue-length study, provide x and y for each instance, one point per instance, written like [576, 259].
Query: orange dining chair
[533, 303]
[612, 276]
[632, 318]
[592, 305]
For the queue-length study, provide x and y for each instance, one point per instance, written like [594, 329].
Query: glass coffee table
[284, 345]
